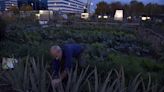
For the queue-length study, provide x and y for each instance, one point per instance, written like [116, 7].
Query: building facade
[2, 5]
[6, 4]
[10, 3]
[66, 6]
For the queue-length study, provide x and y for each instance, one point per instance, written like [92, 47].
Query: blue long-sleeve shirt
[69, 52]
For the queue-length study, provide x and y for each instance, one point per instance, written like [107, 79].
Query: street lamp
[91, 4]
[32, 4]
[105, 17]
[99, 16]
[12, 4]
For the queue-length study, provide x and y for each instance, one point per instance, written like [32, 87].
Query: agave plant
[114, 82]
[32, 76]
[28, 76]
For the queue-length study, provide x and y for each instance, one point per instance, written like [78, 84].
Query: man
[63, 60]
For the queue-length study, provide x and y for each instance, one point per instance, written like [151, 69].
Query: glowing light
[129, 17]
[38, 16]
[91, 4]
[32, 4]
[143, 18]
[99, 16]
[118, 15]
[44, 15]
[84, 15]
[148, 18]
[105, 17]
[41, 11]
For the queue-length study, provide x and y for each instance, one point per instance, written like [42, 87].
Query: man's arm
[63, 75]
[57, 81]
[55, 76]
[56, 68]
[68, 63]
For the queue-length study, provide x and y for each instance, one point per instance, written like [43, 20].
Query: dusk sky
[126, 1]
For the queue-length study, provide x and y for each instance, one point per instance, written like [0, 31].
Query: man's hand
[56, 82]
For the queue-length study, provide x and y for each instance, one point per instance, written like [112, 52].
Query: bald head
[56, 52]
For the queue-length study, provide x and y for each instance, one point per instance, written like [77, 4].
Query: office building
[10, 3]
[6, 4]
[2, 5]
[66, 6]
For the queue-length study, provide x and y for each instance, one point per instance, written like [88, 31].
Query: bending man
[63, 60]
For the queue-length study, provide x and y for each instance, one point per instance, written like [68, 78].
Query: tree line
[134, 8]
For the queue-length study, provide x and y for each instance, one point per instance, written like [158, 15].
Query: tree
[151, 9]
[115, 6]
[14, 9]
[126, 9]
[102, 8]
[26, 8]
[136, 8]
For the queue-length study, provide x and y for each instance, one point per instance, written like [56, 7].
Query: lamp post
[12, 4]
[88, 5]
[32, 6]
[40, 4]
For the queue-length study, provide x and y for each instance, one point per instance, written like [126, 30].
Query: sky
[127, 1]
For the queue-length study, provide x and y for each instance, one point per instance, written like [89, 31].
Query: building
[2, 5]
[66, 6]
[6, 4]
[9, 3]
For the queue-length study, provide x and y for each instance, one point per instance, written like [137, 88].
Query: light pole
[40, 4]
[88, 5]
[34, 4]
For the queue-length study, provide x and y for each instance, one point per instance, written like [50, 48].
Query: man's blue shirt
[69, 52]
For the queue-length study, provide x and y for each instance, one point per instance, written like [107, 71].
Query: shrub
[29, 39]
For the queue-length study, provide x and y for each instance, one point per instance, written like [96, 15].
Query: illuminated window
[118, 15]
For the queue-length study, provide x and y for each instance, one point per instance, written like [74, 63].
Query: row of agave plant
[30, 75]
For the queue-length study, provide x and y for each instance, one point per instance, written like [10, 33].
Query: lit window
[99, 16]
[143, 18]
[118, 15]
[129, 17]
[105, 17]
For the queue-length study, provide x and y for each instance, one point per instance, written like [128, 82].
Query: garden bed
[107, 48]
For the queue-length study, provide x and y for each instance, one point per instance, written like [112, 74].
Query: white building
[66, 6]
[10, 3]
